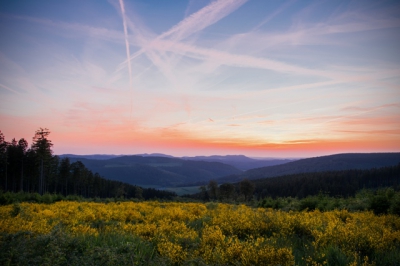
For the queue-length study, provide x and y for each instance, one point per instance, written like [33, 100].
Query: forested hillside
[157, 171]
[374, 189]
[240, 161]
[36, 169]
[335, 183]
[337, 162]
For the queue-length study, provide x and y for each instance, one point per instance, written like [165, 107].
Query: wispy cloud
[202, 19]
[128, 54]
[192, 24]
[373, 132]
[224, 73]
[274, 14]
[9, 89]
[77, 28]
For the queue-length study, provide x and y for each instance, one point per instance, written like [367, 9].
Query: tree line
[242, 191]
[344, 183]
[36, 169]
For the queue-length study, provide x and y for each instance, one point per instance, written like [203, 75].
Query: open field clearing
[180, 191]
[197, 234]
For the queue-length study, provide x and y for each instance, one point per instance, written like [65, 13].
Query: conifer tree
[42, 146]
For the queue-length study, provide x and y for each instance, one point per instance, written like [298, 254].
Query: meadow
[172, 233]
[180, 191]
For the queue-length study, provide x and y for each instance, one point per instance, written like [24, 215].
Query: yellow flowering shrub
[172, 251]
[219, 234]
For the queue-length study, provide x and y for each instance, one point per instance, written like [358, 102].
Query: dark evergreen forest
[344, 183]
[335, 184]
[35, 169]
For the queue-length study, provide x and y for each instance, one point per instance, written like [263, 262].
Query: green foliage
[395, 205]
[345, 163]
[307, 236]
[226, 191]
[336, 256]
[59, 248]
[246, 188]
[380, 204]
[309, 203]
[211, 205]
[336, 183]
[382, 201]
[37, 170]
[15, 210]
[213, 189]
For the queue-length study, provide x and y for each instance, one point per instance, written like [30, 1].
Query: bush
[336, 256]
[309, 203]
[266, 203]
[395, 205]
[47, 198]
[3, 199]
[379, 204]
[58, 248]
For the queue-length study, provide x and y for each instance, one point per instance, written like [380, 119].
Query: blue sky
[261, 78]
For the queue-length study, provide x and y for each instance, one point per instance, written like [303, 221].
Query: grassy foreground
[154, 233]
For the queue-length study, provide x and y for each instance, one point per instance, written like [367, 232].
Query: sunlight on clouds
[252, 77]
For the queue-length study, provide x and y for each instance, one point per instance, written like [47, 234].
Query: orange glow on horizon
[133, 140]
[170, 84]
[182, 145]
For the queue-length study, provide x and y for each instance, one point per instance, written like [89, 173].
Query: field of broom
[156, 233]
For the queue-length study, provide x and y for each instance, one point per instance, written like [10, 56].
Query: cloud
[9, 89]
[257, 84]
[128, 54]
[373, 132]
[266, 122]
[76, 28]
[202, 19]
[192, 24]
[368, 109]
[362, 112]
[274, 14]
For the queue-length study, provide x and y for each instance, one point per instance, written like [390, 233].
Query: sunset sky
[199, 77]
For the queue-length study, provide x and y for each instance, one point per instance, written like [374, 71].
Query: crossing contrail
[128, 54]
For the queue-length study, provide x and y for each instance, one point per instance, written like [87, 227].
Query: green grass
[183, 190]
[59, 248]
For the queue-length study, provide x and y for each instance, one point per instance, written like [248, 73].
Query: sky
[199, 77]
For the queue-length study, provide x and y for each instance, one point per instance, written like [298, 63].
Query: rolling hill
[240, 161]
[335, 162]
[156, 171]
[91, 156]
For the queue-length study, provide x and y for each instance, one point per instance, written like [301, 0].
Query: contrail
[128, 54]
[194, 23]
[359, 113]
[9, 89]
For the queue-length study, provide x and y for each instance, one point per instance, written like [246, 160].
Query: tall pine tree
[42, 146]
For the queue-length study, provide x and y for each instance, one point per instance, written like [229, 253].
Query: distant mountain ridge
[160, 170]
[336, 162]
[91, 156]
[154, 171]
[238, 161]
